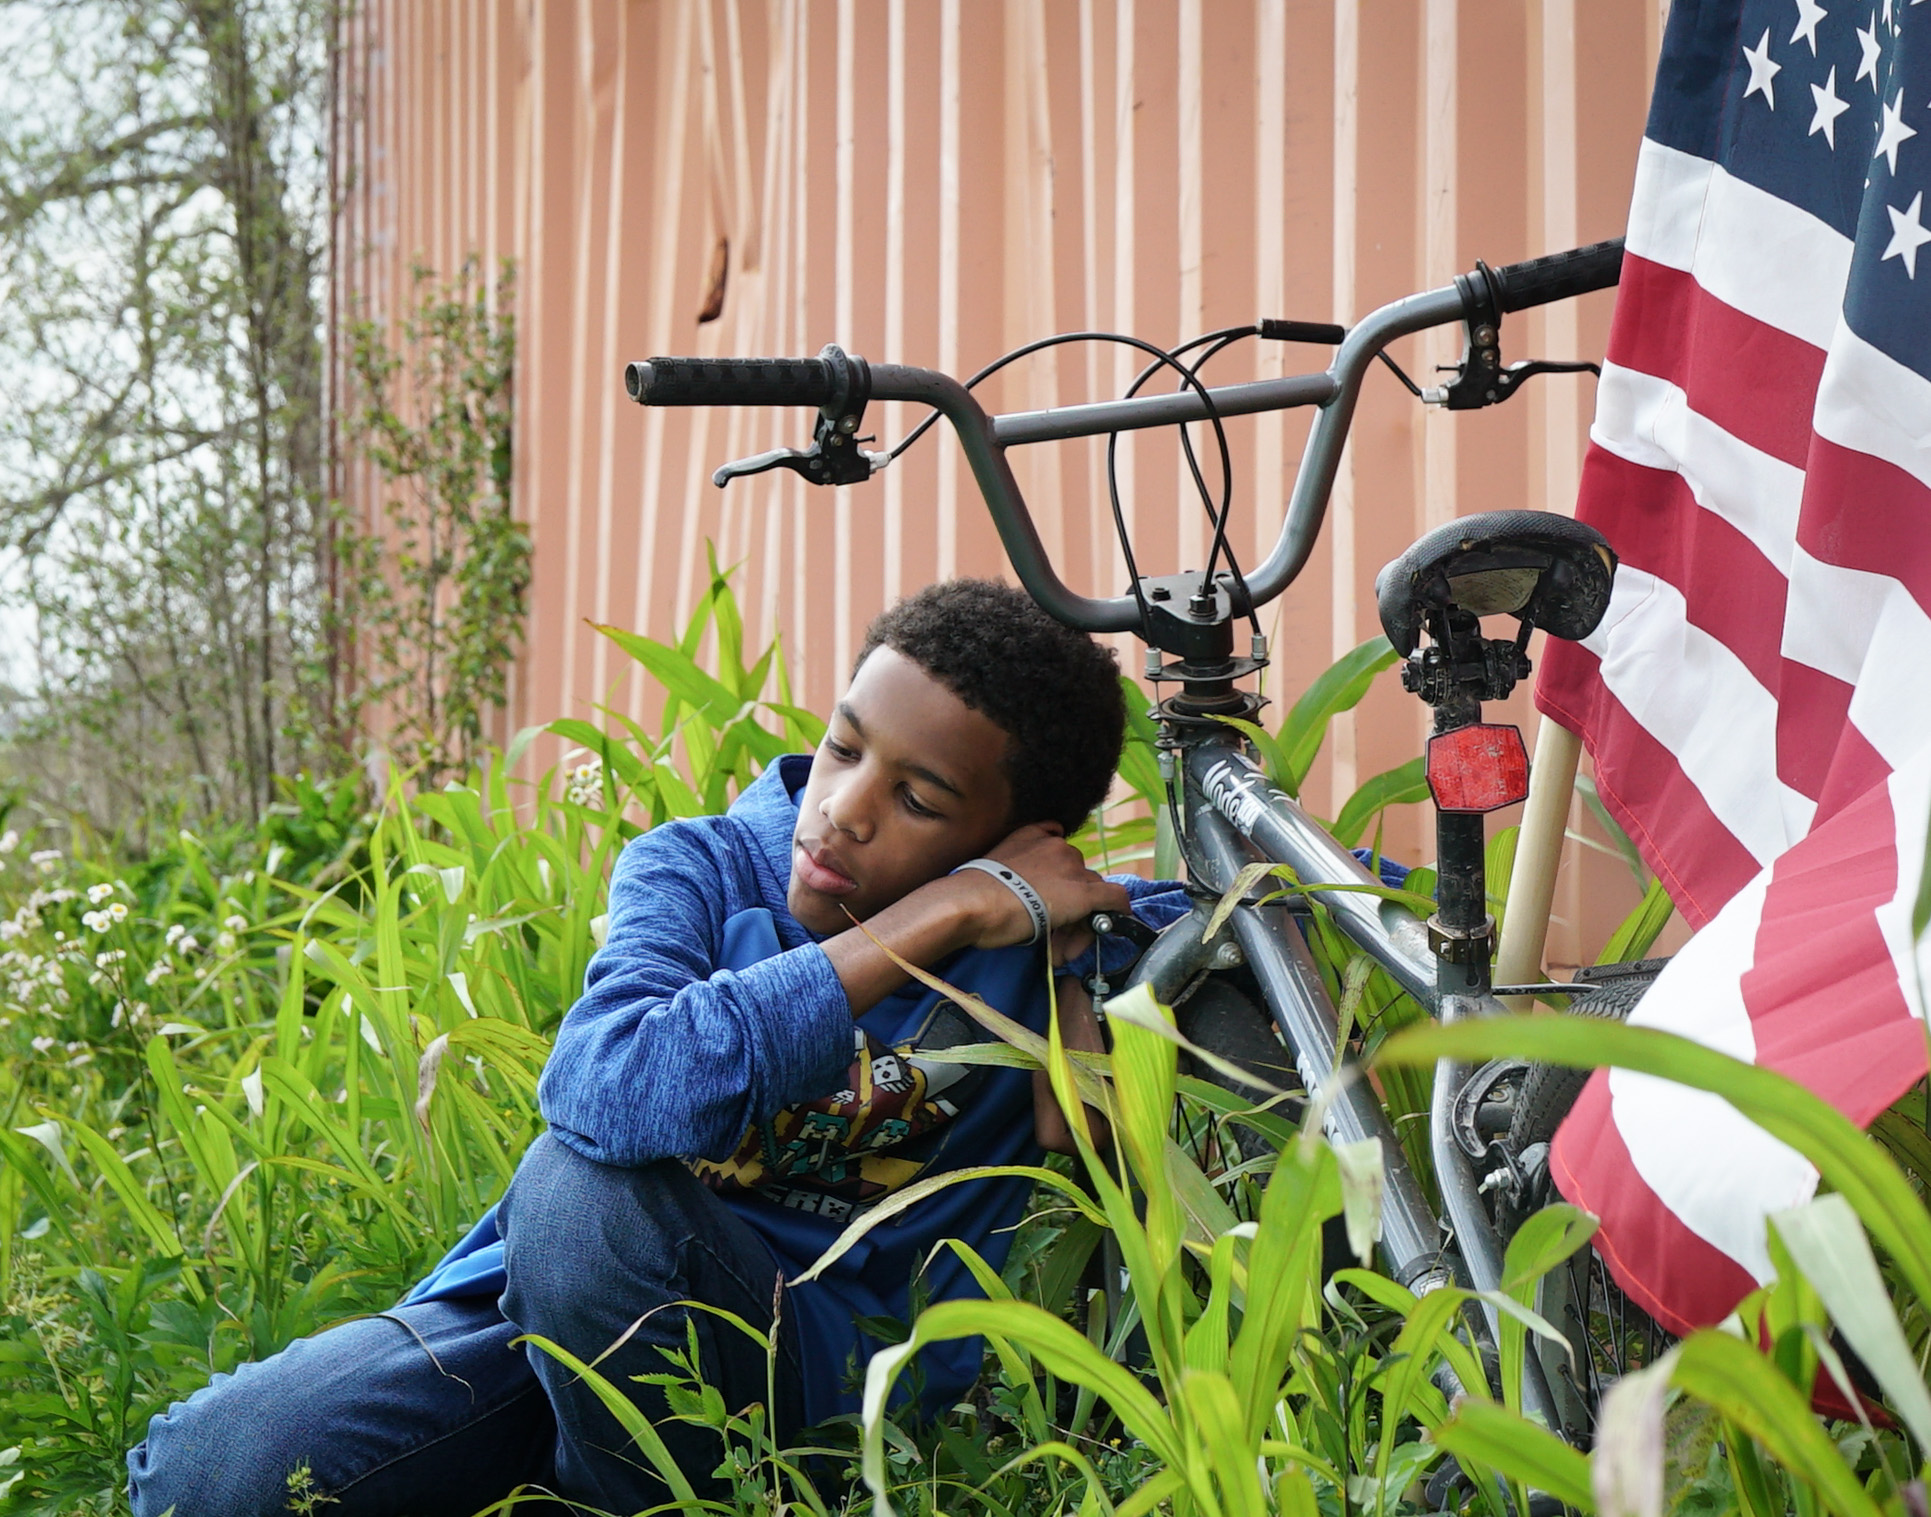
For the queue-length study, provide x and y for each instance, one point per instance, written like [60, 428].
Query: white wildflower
[175, 934]
[224, 942]
[46, 860]
[41, 1045]
[188, 943]
[159, 970]
[10, 928]
[96, 921]
[98, 893]
[118, 911]
[235, 923]
[9, 840]
[585, 784]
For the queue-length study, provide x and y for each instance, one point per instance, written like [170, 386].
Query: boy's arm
[666, 1055]
[969, 910]
[1079, 1028]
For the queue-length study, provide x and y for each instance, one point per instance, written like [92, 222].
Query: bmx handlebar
[985, 437]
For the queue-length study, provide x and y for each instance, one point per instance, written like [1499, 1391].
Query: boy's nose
[848, 809]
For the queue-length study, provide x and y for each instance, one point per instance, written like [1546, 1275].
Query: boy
[742, 1074]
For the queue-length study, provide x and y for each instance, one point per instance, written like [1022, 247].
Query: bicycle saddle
[1549, 571]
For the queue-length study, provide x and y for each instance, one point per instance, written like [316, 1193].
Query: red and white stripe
[1755, 702]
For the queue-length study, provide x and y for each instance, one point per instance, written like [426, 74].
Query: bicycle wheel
[1227, 1023]
[1224, 1020]
[1550, 1090]
[1218, 1017]
[1608, 1335]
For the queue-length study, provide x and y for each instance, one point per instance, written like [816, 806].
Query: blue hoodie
[712, 1029]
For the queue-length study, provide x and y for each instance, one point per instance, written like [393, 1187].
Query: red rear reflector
[1478, 768]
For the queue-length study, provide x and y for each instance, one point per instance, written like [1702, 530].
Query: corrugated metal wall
[935, 181]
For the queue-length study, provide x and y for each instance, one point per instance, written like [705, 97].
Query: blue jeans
[428, 1410]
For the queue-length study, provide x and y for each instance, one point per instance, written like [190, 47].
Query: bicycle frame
[1230, 813]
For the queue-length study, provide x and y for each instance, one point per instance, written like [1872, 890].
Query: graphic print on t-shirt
[846, 1151]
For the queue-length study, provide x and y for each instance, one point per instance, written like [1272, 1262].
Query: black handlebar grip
[1274, 329]
[730, 382]
[1558, 275]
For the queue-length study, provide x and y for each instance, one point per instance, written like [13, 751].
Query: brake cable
[1162, 357]
[1219, 340]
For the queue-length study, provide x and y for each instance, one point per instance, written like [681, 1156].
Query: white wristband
[1016, 883]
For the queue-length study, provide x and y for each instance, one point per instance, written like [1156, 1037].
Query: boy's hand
[971, 909]
[1040, 855]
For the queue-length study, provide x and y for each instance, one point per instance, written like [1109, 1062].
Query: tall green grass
[262, 1081]
[1754, 1376]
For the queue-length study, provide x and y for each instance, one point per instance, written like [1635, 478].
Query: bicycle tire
[1225, 1022]
[1223, 1019]
[1549, 1091]
[1609, 1334]
[1216, 1016]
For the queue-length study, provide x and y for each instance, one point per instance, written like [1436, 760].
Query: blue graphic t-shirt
[712, 1029]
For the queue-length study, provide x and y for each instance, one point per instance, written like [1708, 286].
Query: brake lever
[834, 457]
[1476, 384]
[1480, 379]
[761, 463]
[1515, 373]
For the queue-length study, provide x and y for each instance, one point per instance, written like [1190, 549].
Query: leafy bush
[434, 582]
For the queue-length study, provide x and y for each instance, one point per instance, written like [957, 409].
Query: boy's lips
[819, 869]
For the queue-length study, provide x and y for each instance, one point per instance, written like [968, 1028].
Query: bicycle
[1489, 1127]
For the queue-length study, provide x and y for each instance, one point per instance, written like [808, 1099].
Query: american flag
[1758, 699]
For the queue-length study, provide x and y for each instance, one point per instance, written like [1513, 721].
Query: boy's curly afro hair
[1055, 691]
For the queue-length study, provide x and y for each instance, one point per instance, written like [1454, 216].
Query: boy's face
[908, 784]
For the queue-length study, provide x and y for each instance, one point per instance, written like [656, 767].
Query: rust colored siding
[934, 181]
